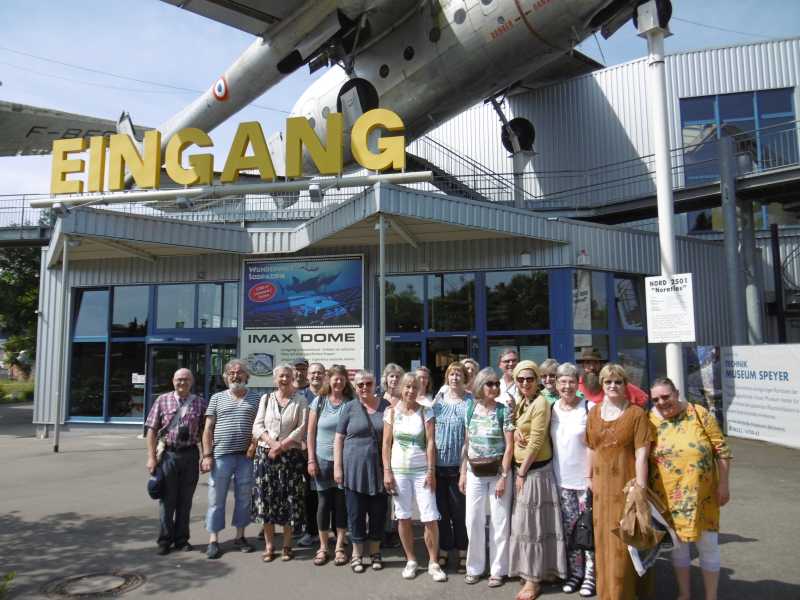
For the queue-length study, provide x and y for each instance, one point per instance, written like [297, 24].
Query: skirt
[537, 543]
[279, 488]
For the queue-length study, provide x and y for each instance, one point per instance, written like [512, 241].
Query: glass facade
[435, 319]
[760, 122]
[127, 341]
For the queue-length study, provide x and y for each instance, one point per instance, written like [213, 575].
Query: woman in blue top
[449, 410]
[322, 421]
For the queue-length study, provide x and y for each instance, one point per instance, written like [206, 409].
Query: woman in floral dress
[689, 470]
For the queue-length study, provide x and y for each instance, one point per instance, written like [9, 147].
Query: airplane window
[325, 112]
[384, 71]
[435, 34]
[408, 53]
[487, 2]
[460, 16]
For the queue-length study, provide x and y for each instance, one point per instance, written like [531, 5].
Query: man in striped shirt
[227, 434]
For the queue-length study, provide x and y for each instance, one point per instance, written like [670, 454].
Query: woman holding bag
[689, 471]
[357, 466]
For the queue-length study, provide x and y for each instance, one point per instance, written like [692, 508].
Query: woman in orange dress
[618, 436]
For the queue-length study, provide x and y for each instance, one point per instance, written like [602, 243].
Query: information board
[761, 392]
[310, 307]
[670, 309]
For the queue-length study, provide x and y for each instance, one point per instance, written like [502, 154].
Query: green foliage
[19, 299]
[5, 584]
[12, 392]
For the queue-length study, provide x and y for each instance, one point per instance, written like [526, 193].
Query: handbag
[251, 449]
[582, 536]
[486, 466]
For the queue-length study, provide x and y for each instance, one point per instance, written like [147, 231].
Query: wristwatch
[504, 475]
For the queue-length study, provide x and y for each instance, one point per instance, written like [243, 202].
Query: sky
[153, 41]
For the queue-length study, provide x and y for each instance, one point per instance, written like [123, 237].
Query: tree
[19, 299]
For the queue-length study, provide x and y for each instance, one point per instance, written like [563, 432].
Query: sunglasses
[525, 379]
[614, 381]
[364, 384]
[493, 384]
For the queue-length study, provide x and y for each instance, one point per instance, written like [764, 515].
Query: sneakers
[307, 540]
[213, 550]
[410, 570]
[243, 545]
[436, 573]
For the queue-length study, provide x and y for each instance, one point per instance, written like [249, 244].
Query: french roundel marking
[220, 89]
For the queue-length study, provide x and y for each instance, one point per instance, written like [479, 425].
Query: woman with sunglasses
[485, 475]
[538, 551]
[323, 417]
[618, 436]
[357, 466]
[409, 459]
[689, 471]
[547, 371]
[449, 410]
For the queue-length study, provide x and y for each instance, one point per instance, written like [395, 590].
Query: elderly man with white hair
[177, 418]
[227, 435]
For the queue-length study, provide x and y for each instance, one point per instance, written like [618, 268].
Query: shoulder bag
[486, 466]
[583, 530]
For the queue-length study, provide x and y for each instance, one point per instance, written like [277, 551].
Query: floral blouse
[683, 469]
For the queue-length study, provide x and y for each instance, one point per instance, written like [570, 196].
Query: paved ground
[85, 510]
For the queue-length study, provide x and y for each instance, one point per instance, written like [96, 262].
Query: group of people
[347, 456]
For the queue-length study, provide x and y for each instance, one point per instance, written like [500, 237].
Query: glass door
[165, 360]
[441, 351]
[220, 355]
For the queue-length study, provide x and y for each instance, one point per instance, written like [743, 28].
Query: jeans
[181, 472]
[360, 507]
[226, 467]
[452, 506]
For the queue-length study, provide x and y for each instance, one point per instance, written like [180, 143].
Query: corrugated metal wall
[601, 119]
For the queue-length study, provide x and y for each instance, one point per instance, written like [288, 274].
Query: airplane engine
[525, 132]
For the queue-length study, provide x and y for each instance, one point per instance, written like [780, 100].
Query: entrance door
[441, 351]
[165, 360]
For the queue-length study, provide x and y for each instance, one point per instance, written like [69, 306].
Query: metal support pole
[382, 292]
[777, 274]
[657, 86]
[61, 399]
[727, 185]
[755, 320]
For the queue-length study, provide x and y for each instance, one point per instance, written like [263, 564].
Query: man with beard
[228, 432]
[310, 387]
[591, 362]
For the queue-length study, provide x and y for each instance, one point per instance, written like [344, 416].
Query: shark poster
[311, 307]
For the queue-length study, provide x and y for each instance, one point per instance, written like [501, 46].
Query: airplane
[426, 60]
[313, 283]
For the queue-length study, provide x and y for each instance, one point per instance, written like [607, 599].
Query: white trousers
[479, 489]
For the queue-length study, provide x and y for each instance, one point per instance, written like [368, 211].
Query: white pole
[61, 396]
[657, 94]
[382, 291]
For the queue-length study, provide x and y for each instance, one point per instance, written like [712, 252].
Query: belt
[536, 465]
[180, 448]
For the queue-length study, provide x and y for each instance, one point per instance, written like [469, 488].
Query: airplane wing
[251, 16]
[564, 67]
[27, 130]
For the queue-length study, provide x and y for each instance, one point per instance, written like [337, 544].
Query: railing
[758, 151]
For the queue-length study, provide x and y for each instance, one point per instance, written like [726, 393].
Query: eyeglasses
[493, 384]
[613, 381]
[508, 361]
[525, 379]
[364, 384]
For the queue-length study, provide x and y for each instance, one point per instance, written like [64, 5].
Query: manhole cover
[94, 585]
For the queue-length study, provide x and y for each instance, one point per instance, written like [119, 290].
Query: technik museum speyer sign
[761, 393]
[311, 307]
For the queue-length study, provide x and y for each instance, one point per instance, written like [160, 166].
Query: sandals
[471, 579]
[462, 564]
[377, 561]
[530, 595]
[588, 587]
[442, 560]
[287, 554]
[571, 585]
[356, 564]
[321, 557]
[495, 581]
[268, 555]
[340, 557]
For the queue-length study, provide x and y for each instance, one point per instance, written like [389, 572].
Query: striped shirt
[234, 427]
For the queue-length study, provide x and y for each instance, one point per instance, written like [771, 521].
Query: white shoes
[410, 570]
[436, 573]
